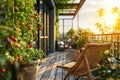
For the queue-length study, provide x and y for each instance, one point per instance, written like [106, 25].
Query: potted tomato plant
[18, 41]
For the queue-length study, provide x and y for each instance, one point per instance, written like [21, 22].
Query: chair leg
[89, 76]
[76, 77]
[66, 76]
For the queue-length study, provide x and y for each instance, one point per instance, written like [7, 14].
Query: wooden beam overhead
[65, 18]
[71, 6]
[79, 6]
[67, 14]
[67, 6]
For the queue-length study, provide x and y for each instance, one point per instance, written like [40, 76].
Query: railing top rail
[105, 34]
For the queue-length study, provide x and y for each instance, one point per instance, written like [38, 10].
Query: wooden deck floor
[49, 71]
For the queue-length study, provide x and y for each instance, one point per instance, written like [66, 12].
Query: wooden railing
[114, 38]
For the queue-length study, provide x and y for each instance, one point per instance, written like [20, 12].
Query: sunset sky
[88, 13]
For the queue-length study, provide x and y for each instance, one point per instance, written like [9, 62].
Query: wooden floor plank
[49, 71]
[53, 71]
[64, 61]
[42, 70]
[49, 68]
[59, 70]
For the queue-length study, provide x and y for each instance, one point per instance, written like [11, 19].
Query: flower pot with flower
[18, 52]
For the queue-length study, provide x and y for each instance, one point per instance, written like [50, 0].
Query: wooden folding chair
[87, 62]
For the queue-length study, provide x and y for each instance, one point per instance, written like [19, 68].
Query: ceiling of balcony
[69, 9]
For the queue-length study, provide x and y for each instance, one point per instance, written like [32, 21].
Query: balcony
[49, 71]
[29, 28]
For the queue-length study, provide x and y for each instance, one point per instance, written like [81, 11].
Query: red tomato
[17, 45]
[17, 58]
[10, 63]
[36, 14]
[20, 58]
[11, 37]
[15, 39]
[33, 9]
[35, 17]
[3, 70]
[15, 9]
[30, 46]
[29, 28]
[9, 43]
[21, 23]
[27, 46]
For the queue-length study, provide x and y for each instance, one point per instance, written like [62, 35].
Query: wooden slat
[59, 70]
[42, 70]
[64, 61]
[79, 6]
[66, 6]
[43, 37]
[67, 14]
[53, 71]
[48, 69]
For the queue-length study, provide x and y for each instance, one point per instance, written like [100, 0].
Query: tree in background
[109, 21]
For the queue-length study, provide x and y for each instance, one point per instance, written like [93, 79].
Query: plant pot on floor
[26, 71]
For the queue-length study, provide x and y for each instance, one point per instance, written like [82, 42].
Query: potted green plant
[81, 41]
[79, 38]
[17, 40]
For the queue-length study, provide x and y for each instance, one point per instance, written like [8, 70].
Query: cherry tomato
[29, 28]
[11, 63]
[21, 23]
[17, 45]
[15, 39]
[11, 37]
[3, 70]
[9, 43]
[35, 17]
[30, 46]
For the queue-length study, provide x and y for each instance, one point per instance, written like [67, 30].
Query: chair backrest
[91, 52]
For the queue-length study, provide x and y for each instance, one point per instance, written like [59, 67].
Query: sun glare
[110, 19]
